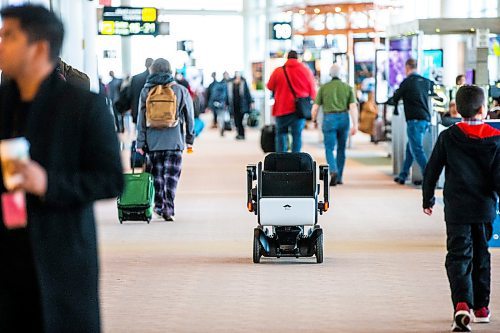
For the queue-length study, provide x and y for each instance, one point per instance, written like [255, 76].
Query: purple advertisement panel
[400, 50]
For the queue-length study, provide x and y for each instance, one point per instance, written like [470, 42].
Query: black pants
[20, 309]
[468, 263]
[238, 122]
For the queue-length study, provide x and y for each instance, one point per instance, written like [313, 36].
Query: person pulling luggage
[165, 127]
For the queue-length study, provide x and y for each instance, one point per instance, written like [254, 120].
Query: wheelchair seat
[288, 190]
[288, 175]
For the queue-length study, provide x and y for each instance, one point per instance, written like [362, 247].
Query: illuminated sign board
[128, 21]
[281, 30]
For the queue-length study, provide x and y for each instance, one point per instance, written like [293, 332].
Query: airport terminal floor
[383, 269]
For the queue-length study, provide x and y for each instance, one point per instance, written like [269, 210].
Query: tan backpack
[161, 107]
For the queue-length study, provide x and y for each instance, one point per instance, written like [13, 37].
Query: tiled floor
[383, 269]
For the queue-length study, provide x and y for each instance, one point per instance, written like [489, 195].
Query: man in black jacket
[136, 85]
[415, 91]
[470, 153]
[49, 279]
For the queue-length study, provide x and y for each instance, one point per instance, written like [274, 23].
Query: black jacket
[472, 174]
[73, 76]
[72, 137]
[415, 91]
[245, 96]
[136, 84]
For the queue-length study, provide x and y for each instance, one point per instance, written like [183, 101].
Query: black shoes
[333, 179]
[400, 181]
[240, 137]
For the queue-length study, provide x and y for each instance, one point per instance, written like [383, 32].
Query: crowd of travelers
[48, 245]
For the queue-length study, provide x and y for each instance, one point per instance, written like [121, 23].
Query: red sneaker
[462, 318]
[482, 315]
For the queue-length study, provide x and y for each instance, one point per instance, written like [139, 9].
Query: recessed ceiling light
[338, 9]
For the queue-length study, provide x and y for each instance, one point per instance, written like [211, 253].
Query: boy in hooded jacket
[470, 153]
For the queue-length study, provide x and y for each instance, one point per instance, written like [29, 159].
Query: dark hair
[469, 100]
[292, 54]
[39, 24]
[458, 78]
[411, 63]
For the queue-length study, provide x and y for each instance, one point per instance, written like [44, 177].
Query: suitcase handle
[134, 158]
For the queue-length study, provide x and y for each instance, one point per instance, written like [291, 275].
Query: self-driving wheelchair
[285, 200]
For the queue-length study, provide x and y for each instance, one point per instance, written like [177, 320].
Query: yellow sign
[149, 14]
[108, 28]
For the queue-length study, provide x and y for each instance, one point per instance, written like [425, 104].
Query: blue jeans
[415, 130]
[283, 125]
[336, 131]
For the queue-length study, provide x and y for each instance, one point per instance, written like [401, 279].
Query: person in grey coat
[164, 146]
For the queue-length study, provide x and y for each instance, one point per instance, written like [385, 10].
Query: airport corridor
[383, 269]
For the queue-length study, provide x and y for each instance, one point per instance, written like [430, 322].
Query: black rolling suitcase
[267, 139]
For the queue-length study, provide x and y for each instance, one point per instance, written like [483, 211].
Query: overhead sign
[129, 21]
[281, 30]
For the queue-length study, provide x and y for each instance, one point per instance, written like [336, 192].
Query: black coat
[245, 96]
[71, 135]
[472, 175]
[136, 84]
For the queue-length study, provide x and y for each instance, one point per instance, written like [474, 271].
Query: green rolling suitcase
[137, 200]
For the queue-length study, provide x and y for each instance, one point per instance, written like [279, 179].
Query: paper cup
[12, 150]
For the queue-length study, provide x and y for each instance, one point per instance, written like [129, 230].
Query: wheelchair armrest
[252, 171]
[323, 175]
[251, 176]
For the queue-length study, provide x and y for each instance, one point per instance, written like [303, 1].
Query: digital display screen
[432, 65]
[400, 50]
[381, 76]
[128, 21]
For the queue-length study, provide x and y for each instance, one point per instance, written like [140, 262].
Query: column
[71, 15]
[247, 38]
[267, 73]
[89, 43]
[452, 45]
[126, 49]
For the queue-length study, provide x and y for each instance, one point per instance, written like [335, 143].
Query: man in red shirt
[302, 81]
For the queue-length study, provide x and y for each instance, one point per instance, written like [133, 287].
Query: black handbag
[303, 105]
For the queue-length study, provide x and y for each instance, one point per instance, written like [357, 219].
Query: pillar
[452, 45]
[126, 43]
[90, 43]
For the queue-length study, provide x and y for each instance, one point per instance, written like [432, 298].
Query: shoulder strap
[289, 83]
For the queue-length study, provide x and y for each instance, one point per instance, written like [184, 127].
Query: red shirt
[302, 81]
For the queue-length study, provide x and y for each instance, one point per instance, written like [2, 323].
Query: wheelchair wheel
[256, 248]
[319, 249]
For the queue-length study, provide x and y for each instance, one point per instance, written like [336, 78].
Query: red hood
[482, 131]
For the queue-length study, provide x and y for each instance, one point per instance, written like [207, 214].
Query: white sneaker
[482, 315]
[169, 218]
[156, 217]
[462, 319]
